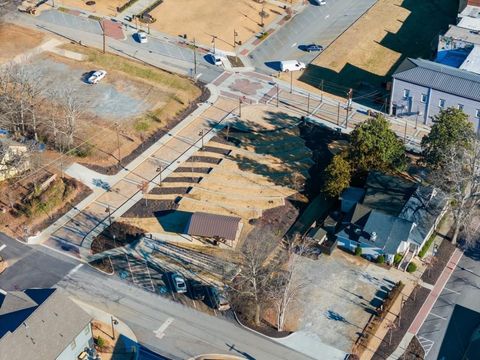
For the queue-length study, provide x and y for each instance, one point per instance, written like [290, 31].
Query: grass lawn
[370, 50]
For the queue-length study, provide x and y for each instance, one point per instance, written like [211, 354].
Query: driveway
[446, 332]
[315, 24]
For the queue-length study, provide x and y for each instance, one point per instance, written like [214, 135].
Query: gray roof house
[42, 324]
[396, 216]
[421, 88]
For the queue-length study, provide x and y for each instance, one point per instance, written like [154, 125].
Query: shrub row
[426, 246]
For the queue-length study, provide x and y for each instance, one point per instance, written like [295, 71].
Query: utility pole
[308, 104]
[103, 33]
[108, 211]
[338, 114]
[118, 144]
[277, 94]
[159, 170]
[201, 133]
[213, 42]
[349, 103]
[321, 91]
[240, 107]
[235, 34]
[291, 82]
[114, 322]
[194, 57]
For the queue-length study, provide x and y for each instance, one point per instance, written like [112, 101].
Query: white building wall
[84, 339]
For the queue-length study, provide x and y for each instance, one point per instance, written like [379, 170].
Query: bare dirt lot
[369, 51]
[15, 40]
[202, 19]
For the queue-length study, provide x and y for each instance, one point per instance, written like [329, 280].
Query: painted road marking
[438, 316]
[326, 17]
[75, 269]
[160, 332]
[294, 44]
[3, 247]
[426, 344]
[453, 291]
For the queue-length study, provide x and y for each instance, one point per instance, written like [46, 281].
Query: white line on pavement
[74, 270]
[326, 17]
[159, 333]
[3, 247]
[438, 316]
[3, 292]
[294, 44]
[453, 291]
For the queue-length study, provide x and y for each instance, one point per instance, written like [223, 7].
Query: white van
[291, 65]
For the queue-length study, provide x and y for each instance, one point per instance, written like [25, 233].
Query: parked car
[197, 290]
[142, 37]
[291, 65]
[319, 2]
[216, 299]
[179, 284]
[313, 47]
[216, 60]
[96, 76]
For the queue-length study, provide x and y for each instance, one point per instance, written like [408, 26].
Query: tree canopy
[374, 146]
[337, 176]
[451, 129]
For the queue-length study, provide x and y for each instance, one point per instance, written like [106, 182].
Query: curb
[257, 332]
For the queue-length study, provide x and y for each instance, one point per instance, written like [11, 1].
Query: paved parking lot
[446, 332]
[315, 24]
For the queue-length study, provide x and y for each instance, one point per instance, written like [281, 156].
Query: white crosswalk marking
[160, 333]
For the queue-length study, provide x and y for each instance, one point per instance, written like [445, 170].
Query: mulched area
[200, 170]
[409, 311]
[264, 328]
[235, 61]
[117, 235]
[103, 265]
[187, 179]
[414, 351]
[444, 253]
[113, 169]
[83, 192]
[162, 190]
[205, 159]
[148, 209]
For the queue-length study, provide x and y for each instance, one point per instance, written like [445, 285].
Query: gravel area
[414, 351]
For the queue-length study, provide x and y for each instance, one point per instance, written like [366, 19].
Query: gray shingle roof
[46, 330]
[439, 77]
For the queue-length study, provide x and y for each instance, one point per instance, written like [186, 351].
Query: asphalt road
[446, 332]
[169, 328]
[31, 266]
[315, 24]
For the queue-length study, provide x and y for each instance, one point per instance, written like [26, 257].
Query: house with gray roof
[42, 324]
[396, 216]
[422, 88]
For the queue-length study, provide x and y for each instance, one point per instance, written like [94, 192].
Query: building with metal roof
[221, 228]
[422, 88]
[42, 324]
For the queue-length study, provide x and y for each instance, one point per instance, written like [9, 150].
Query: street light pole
[235, 34]
[201, 133]
[159, 170]
[277, 94]
[291, 82]
[118, 143]
[194, 57]
[239, 107]
[213, 42]
[102, 25]
[114, 322]
[107, 210]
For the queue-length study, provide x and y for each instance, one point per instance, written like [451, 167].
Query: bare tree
[72, 109]
[459, 178]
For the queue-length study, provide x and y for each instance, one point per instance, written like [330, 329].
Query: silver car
[96, 76]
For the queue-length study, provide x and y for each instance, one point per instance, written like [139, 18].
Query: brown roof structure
[212, 225]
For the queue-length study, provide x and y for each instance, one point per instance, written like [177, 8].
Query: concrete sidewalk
[103, 316]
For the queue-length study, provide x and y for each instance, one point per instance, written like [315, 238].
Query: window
[477, 113]
[460, 106]
[423, 98]
[73, 345]
[406, 93]
[441, 103]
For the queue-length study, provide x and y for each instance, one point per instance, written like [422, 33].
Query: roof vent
[373, 237]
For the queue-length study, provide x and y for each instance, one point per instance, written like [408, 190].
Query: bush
[426, 246]
[398, 257]
[100, 342]
[412, 267]
[381, 259]
[358, 251]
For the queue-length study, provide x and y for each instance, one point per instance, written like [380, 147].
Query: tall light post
[159, 171]
[201, 133]
[235, 34]
[213, 42]
[240, 102]
[194, 57]
[102, 26]
[114, 322]
[118, 143]
[107, 210]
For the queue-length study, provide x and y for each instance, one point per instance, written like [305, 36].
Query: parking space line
[438, 316]
[426, 344]
[3, 247]
[453, 291]
[74, 270]
[160, 332]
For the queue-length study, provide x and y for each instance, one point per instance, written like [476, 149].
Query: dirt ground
[101, 7]
[202, 19]
[15, 40]
[369, 51]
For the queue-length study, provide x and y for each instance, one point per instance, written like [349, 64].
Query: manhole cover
[123, 274]
[90, 3]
